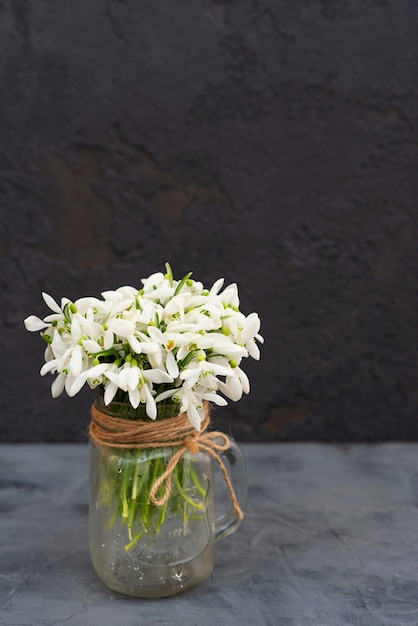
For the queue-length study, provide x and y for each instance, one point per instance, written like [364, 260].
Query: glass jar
[146, 550]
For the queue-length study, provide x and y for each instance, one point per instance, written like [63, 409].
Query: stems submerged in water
[126, 479]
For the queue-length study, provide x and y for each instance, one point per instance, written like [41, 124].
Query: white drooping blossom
[170, 341]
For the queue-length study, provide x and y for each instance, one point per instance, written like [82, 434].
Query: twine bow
[175, 432]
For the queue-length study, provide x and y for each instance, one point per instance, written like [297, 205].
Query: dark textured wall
[273, 142]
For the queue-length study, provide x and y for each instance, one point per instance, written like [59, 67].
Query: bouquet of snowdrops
[170, 341]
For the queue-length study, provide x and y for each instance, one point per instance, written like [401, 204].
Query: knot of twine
[173, 432]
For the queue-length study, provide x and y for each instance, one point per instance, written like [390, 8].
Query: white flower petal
[97, 370]
[216, 287]
[122, 306]
[95, 331]
[134, 397]
[157, 376]
[161, 293]
[213, 397]
[185, 401]
[110, 392]
[77, 384]
[108, 339]
[251, 328]
[121, 328]
[219, 370]
[229, 349]
[34, 323]
[189, 383]
[171, 365]
[153, 280]
[69, 381]
[231, 388]
[245, 383]
[175, 305]
[142, 347]
[75, 329]
[133, 377]
[234, 387]
[57, 386]
[91, 346]
[84, 304]
[194, 417]
[49, 367]
[151, 407]
[166, 394]
[123, 378]
[76, 361]
[253, 350]
[156, 360]
[188, 373]
[177, 327]
[86, 323]
[113, 377]
[134, 343]
[50, 302]
[156, 334]
[55, 317]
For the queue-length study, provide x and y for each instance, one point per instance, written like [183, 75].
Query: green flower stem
[116, 514]
[186, 498]
[137, 486]
[126, 479]
[136, 477]
[134, 541]
[161, 517]
[125, 505]
[197, 483]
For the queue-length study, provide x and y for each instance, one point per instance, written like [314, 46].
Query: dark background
[271, 142]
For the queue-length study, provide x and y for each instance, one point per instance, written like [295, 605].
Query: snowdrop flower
[170, 341]
[230, 296]
[235, 384]
[157, 287]
[138, 384]
[244, 331]
[203, 372]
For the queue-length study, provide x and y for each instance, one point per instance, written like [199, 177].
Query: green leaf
[169, 274]
[67, 310]
[184, 362]
[181, 283]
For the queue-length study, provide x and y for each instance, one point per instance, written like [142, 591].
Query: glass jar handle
[234, 461]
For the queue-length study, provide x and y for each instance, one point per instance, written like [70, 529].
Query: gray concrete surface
[330, 540]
